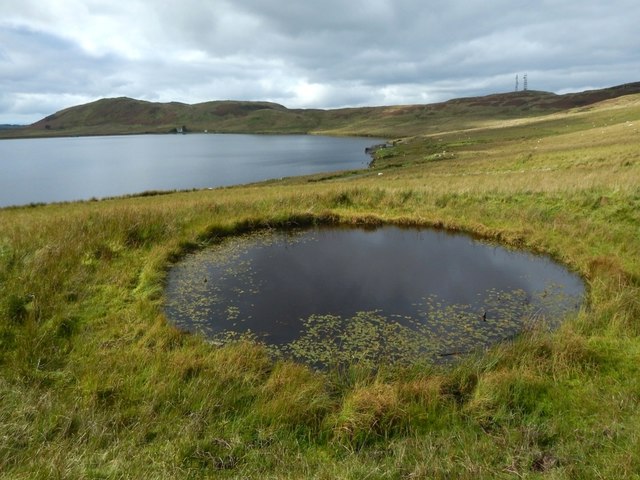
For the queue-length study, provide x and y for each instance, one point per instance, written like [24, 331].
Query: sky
[306, 53]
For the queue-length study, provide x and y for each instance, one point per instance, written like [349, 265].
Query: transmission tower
[516, 83]
[524, 82]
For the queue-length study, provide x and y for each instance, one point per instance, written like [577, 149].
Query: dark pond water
[337, 294]
[62, 169]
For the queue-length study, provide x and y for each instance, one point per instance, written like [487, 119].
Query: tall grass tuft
[95, 383]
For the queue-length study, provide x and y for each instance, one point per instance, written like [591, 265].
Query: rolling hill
[129, 116]
[96, 382]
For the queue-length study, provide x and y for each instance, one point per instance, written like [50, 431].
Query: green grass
[95, 384]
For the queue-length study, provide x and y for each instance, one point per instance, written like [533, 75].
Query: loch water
[80, 168]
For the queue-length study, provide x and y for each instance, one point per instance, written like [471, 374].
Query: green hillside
[127, 116]
[95, 383]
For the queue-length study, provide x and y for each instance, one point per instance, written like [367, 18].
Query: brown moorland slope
[129, 116]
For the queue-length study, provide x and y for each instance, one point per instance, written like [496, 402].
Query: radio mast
[524, 80]
[516, 82]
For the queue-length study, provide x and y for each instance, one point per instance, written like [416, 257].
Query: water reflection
[62, 169]
[347, 294]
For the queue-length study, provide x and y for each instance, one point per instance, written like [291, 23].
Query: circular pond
[328, 295]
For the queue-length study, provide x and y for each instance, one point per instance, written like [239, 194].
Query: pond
[332, 295]
[80, 168]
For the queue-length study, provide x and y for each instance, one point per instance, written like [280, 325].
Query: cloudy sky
[306, 53]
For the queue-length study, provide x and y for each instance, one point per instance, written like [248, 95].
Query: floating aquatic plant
[213, 292]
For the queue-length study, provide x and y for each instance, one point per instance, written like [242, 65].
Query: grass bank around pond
[95, 384]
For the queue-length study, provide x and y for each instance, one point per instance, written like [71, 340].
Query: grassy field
[95, 384]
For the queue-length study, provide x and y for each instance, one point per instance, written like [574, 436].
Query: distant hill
[5, 126]
[123, 115]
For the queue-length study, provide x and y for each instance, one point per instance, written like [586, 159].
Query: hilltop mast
[516, 82]
[524, 80]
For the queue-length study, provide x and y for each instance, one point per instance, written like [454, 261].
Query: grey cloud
[311, 54]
